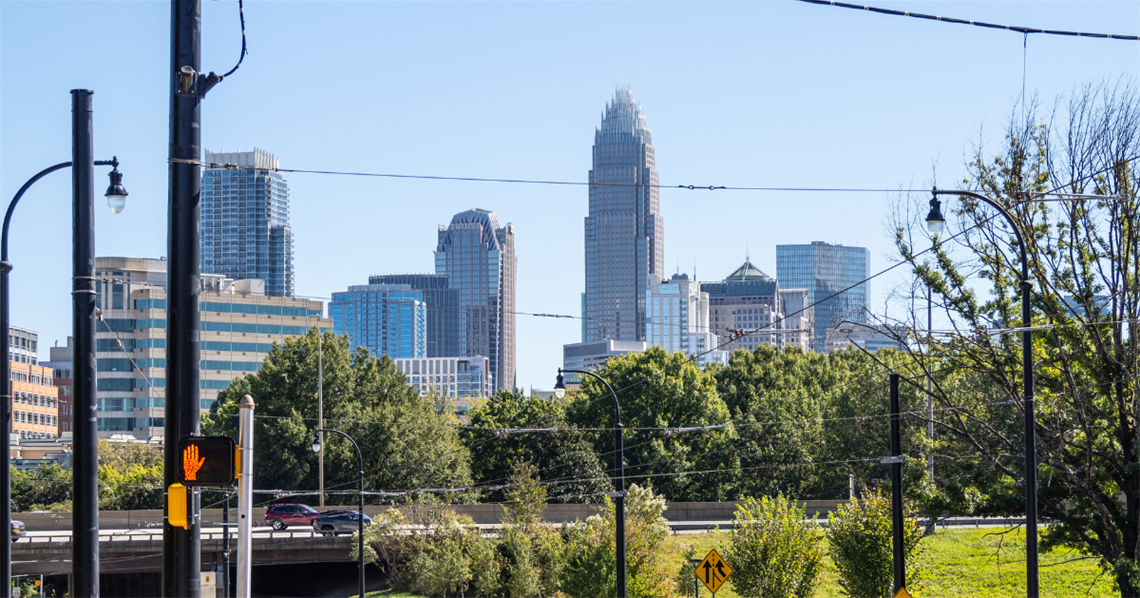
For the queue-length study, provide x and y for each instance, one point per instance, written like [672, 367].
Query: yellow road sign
[902, 593]
[712, 571]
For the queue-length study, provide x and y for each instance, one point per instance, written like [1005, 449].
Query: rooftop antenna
[747, 252]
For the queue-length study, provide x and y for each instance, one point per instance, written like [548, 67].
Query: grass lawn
[975, 563]
[979, 563]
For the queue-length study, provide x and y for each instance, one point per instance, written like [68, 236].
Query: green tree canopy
[658, 391]
[408, 441]
[564, 459]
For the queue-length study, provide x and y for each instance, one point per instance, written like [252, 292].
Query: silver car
[336, 522]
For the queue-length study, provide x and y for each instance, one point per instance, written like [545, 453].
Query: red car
[282, 516]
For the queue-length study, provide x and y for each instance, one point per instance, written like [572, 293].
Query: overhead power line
[1022, 30]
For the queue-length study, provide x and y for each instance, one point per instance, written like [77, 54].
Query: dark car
[282, 516]
[17, 529]
[336, 522]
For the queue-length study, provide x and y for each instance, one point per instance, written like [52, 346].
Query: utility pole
[181, 556]
[930, 382]
[896, 487]
[321, 412]
[85, 464]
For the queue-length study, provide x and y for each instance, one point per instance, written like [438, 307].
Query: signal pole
[181, 548]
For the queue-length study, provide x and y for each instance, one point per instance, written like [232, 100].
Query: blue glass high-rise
[478, 258]
[625, 234]
[386, 319]
[245, 220]
[827, 271]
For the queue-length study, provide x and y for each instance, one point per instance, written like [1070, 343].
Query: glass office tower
[478, 258]
[245, 220]
[387, 319]
[625, 234]
[442, 309]
[825, 270]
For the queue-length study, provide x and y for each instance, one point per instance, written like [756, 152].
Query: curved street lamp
[116, 199]
[619, 470]
[360, 515]
[935, 222]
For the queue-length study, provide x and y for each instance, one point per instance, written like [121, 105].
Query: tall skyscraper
[245, 220]
[625, 234]
[442, 309]
[478, 258]
[824, 270]
[387, 319]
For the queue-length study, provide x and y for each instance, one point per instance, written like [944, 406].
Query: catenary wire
[1023, 30]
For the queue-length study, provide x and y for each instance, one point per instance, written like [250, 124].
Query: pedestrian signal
[206, 461]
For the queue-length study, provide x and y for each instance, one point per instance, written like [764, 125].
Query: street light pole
[619, 470]
[318, 447]
[935, 221]
[116, 197]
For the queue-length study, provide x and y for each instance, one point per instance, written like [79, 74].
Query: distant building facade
[478, 257]
[871, 338]
[442, 309]
[245, 220]
[677, 319]
[387, 319]
[23, 345]
[833, 276]
[238, 326]
[593, 355]
[625, 233]
[34, 404]
[61, 365]
[747, 309]
[458, 380]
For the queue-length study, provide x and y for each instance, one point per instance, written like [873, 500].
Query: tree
[1084, 261]
[658, 391]
[563, 458]
[407, 442]
[776, 401]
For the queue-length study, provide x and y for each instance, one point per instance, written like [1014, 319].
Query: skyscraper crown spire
[623, 116]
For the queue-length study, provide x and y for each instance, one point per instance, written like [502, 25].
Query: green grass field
[974, 563]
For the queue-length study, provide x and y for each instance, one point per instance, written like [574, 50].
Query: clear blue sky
[776, 93]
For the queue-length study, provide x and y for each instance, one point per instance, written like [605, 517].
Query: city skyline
[774, 95]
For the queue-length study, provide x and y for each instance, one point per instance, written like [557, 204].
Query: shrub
[590, 564]
[773, 552]
[860, 543]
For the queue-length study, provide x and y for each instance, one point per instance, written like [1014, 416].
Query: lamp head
[317, 443]
[116, 194]
[934, 220]
[559, 387]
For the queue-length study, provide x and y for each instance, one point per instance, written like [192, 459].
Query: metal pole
[245, 497]
[85, 458]
[6, 379]
[896, 488]
[321, 413]
[225, 577]
[1032, 585]
[181, 557]
[619, 482]
[360, 518]
[930, 382]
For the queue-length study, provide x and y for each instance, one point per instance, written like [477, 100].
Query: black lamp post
[86, 497]
[935, 222]
[619, 470]
[360, 515]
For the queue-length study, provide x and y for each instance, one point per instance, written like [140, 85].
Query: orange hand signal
[191, 463]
